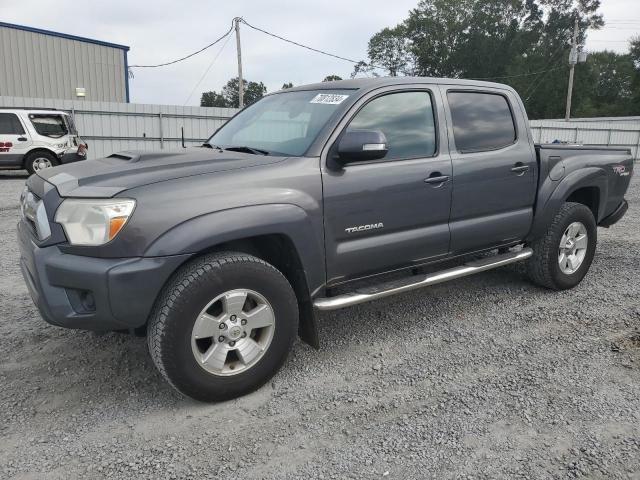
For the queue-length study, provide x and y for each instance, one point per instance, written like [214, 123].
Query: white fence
[621, 132]
[113, 127]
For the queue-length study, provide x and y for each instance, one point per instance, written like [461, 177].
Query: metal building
[44, 64]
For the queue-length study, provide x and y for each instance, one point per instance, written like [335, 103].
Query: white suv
[36, 139]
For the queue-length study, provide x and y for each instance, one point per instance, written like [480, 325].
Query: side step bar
[469, 268]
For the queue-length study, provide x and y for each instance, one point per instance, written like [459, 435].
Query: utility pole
[240, 83]
[573, 59]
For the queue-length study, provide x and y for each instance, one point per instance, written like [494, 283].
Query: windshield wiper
[208, 145]
[244, 148]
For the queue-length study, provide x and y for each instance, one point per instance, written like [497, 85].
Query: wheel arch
[35, 150]
[589, 196]
[280, 234]
[587, 186]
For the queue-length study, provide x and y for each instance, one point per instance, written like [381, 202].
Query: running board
[393, 288]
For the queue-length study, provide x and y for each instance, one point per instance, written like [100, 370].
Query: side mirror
[361, 146]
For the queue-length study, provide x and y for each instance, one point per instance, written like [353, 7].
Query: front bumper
[90, 293]
[71, 155]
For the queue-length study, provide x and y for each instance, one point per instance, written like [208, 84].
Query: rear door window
[10, 124]
[52, 126]
[481, 121]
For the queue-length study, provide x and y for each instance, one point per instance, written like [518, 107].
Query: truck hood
[122, 171]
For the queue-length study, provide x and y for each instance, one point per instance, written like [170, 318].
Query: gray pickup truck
[315, 198]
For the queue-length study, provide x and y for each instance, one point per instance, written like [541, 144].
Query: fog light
[87, 300]
[82, 301]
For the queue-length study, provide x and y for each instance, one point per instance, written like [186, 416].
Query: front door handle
[520, 168]
[436, 178]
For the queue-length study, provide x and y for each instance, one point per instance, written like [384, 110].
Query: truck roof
[377, 82]
[37, 111]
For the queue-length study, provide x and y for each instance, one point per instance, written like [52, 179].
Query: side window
[481, 121]
[10, 124]
[405, 118]
[52, 126]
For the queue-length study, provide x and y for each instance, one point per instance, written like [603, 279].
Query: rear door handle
[520, 169]
[436, 179]
[22, 139]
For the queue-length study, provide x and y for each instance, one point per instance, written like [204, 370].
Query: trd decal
[5, 146]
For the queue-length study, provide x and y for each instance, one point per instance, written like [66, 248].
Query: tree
[606, 85]
[230, 97]
[634, 53]
[389, 48]
[524, 43]
[286, 85]
[212, 99]
[253, 91]
[331, 78]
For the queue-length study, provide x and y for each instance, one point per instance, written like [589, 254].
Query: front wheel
[223, 326]
[562, 257]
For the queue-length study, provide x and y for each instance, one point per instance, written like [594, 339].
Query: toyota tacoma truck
[315, 198]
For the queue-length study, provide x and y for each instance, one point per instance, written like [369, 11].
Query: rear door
[381, 215]
[494, 168]
[14, 140]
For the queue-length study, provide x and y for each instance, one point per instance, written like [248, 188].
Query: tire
[175, 335]
[39, 160]
[544, 267]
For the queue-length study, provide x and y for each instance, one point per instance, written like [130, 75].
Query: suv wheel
[223, 325]
[36, 161]
[562, 257]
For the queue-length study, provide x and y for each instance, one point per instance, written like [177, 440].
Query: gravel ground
[485, 377]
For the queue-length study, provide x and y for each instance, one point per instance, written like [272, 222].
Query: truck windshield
[52, 126]
[281, 124]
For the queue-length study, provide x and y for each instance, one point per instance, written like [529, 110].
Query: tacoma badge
[362, 228]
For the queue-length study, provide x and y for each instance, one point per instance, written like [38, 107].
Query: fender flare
[35, 149]
[206, 231]
[552, 195]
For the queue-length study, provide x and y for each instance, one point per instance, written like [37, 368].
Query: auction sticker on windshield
[329, 98]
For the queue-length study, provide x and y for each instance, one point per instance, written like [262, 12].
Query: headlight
[93, 222]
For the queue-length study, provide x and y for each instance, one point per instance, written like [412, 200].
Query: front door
[14, 141]
[390, 213]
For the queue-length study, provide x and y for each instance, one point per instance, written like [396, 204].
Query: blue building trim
[126, 76]
[64, 35]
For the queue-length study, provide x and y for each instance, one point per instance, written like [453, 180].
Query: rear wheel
[39, 160]
[562, 257]
[223, 326]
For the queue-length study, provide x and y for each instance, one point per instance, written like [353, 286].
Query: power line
[304, 46]
[515, 76]
[609, 41]
[187, 56]
[534, 86]
[616, 27]
[208, 68]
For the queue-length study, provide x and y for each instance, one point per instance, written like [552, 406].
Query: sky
[161, 30]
